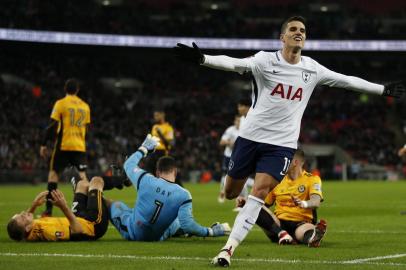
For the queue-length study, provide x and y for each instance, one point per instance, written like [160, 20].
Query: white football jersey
[231, 134]
[281, 92]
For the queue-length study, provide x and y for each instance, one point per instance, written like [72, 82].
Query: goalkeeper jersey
[302, 187]
[159, 203]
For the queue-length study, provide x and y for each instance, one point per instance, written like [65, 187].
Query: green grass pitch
[365, 231]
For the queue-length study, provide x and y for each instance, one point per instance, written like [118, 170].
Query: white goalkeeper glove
[149, 144]
[219, 229]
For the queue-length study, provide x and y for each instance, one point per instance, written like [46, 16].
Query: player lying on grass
[296, 199]
[87, 221]
[162, 207]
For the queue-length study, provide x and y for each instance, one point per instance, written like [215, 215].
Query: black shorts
[94, 209]
[62, 159]
[291, 226]
[253, 157]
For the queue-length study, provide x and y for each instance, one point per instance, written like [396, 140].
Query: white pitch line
[176, 258]
[356, 261]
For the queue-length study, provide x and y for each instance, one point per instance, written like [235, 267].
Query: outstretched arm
[334, 79]
[190, 226]
[222, 62]
[131, 164]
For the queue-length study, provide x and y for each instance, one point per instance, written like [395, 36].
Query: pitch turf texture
[365, 231]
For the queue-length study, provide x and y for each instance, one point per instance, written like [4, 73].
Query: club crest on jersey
[306, 76]
[287, 92]
[301, 188]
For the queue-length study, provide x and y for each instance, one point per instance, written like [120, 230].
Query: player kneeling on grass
[163, 208]
[88, 219]
[296, 199]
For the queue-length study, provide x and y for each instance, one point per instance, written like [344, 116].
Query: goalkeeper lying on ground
[87, 221]
[163, 208]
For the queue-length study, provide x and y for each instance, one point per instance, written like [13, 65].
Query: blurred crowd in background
[344, 19]
[124, 85]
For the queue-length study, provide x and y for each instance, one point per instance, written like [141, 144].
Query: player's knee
[231, 194]
[82, 186]
[96, 183]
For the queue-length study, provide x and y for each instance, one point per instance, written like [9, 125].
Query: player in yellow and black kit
[296, 199]
[88, 219]
[164, 131]
[69, 121]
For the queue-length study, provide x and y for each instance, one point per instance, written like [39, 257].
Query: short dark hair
[71, 86]
[245, 101]
[15, 231]
[300, 154]
[291, 19]
[166, 164]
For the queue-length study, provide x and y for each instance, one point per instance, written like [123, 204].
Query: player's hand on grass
[149, 144]
[394, 89]
[58, 199]
[43, 152]
[40, 198]
[189, 54]
[219, 229]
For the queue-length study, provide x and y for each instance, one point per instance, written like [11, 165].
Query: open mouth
[298, 38]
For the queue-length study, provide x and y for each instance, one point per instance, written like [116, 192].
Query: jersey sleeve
[335, 79]
[315, 186]
[57, 111]
[187, 221]
[133, 172]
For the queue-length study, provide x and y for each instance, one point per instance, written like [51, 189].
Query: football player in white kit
[283, 83]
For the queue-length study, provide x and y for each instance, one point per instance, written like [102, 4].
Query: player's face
[24, 218]
[294, 36]
[242, 110]
[159, 117]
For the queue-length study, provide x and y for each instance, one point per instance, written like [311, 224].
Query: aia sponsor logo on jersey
[287, 92]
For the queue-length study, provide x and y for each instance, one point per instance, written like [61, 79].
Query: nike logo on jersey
[276, 71]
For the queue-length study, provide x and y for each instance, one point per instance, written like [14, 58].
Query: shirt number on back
[157, 211]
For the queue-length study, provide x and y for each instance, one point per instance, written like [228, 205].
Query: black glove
[394, 89]
[189, 54]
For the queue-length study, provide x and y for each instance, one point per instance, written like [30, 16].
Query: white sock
[222, 183]
[244, 222]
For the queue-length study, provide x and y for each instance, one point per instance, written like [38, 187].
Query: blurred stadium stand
[123, 85]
